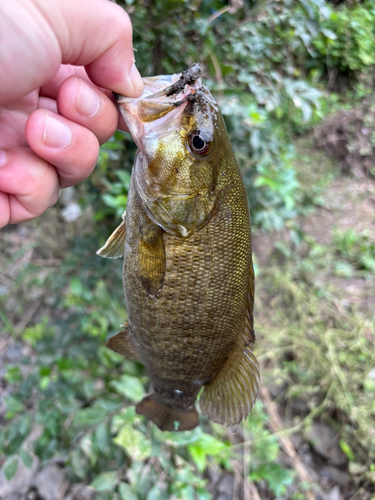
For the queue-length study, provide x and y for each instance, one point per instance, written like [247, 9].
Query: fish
[188, 276]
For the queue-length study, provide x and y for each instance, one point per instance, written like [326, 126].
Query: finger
[52, 87]
[92, 33]
[83, 103]
[71, 148]
[47, 103]
[13, 119]
[28, 186]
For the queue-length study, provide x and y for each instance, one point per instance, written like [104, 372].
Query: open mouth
[188, 77]
[154, 105]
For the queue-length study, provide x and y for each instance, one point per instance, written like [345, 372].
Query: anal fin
[229, 398]
[122, 343]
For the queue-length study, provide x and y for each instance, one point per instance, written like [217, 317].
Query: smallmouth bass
[187, 273]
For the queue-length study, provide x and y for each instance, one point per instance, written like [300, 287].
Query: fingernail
[136, 79]
[56, 134]
[3, 157]
[88, 101]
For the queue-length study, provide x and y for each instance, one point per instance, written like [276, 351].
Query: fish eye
[199, 143]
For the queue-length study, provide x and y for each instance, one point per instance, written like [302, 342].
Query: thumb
[40, 35]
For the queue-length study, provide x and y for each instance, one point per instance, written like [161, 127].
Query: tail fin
[166, 418]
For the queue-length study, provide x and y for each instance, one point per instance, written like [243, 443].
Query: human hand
[57, 58]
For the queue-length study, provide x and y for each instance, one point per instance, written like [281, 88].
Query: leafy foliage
[80, 397]
[347, 40]
[70, 397]
[264, 64]
[243, 56]
[358, 249]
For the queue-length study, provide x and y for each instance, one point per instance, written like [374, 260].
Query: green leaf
[329, 34]
[76, 287]
[206, 445]
[13, 374]
[14, 405]
[203, 494]
[105, 481]
[199, 457]
[113, 145]
[136, 444]
[127, 416]
[276, 477]
[178, 438]
[24, 424]
[90, 416]
[86, 446]
[124, 177]
[130, 387]
[102, 438]
[126, 492]
[108, 405]
[78, 464]
[10, 467]
[44, 382]
[115, 201]
[27, 458]
[158, 492]
[187, 492]
[347, 449]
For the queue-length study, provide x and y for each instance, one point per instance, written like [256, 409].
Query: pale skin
[60, 61]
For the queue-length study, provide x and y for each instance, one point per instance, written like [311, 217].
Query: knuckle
[123, 18]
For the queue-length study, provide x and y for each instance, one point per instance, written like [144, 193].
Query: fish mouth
[163, 95]
[159, 111]
[188, 77]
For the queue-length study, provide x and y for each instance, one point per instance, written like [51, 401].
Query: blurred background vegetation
[295, 82]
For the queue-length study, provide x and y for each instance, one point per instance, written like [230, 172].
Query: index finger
[96, 34]
[52, 90]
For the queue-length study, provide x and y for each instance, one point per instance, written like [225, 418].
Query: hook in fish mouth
[188, 77]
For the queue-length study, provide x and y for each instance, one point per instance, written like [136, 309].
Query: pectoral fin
[115, 245]
[122, 343]
[151, 257]
[230, 396]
